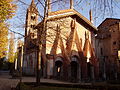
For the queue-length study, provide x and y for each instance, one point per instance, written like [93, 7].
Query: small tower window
[32, 26]
[114, 43]
[33, 17]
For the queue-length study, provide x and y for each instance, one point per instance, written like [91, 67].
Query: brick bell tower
[31, 22]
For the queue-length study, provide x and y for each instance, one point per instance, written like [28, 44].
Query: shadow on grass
[27, 87]
[53, 86]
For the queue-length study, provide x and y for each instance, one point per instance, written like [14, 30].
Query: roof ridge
[113, 18]
[59, 11]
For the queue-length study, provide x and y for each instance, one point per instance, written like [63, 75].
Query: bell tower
[31, 21]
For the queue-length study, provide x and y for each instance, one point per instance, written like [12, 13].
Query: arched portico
[58, 67]
[90, 71]
[75, 69]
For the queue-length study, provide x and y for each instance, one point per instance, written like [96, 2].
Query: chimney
[49, 6]
[90, 13]
[71, 4]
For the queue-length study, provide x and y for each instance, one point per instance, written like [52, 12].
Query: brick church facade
[68, 45]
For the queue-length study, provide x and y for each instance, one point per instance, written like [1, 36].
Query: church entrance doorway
[90, 71]
[74, 69]
[58, 65]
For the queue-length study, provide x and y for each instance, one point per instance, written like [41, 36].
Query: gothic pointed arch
[92, 62]
[56, 41]
[64, 52]
[88, 49]
[78, 44]
[70, 37]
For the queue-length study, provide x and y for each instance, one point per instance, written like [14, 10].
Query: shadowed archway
[74, 69]
[58, 67]
[90, 71]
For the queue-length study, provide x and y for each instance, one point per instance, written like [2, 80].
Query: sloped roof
[109, 20]
[73, 13]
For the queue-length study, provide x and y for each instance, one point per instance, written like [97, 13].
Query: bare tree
[99, 6]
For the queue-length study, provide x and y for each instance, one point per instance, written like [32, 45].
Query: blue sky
[18, 21]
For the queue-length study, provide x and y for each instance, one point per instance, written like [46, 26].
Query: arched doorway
[90, 71]
[74, 69]
[58, 67]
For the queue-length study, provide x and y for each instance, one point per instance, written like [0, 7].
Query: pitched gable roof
[109, 21]
[74, 14]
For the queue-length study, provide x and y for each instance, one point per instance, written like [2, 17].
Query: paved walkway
[7, 82]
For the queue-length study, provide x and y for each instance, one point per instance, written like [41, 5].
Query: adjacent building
[107, 48]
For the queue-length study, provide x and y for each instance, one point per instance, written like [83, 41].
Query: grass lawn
[26, 87]
[59, 88]
[51, 86]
